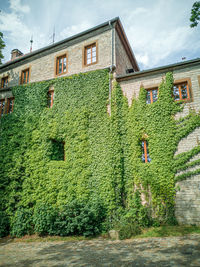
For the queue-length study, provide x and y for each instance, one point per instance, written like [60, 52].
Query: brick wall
[188, 195]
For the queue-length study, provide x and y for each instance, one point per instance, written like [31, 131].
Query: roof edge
[126, 44]
[169, 67]
[43, 49]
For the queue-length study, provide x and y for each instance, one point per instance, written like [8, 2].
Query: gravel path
[151, 252]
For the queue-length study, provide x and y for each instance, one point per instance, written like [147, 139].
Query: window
[10, 105]
[61, 64]
[181, 91]
[145, 152]
[4, 82]
[25, 76]
[2, 107]
[152, 95]
[50, 98]
[57, 150]
[90, 54]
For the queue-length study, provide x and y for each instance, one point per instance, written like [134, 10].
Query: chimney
[15, 53]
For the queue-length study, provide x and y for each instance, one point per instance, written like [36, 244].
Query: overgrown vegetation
[102, 180]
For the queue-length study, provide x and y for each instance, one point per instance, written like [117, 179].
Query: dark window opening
[57, 150]
[4, 82]
[50, 98]
[129, 71]
[145, 152]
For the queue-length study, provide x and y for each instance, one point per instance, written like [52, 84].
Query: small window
[10, 105]
[90, 54]
[50, 98]
[61, 64]
[4, 82]
[25, 76]
[181, 91]
[145, 152]
[152, 95]
[2, 107]
[57, 150]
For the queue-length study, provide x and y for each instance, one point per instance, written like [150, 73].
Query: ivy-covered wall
[102, 153]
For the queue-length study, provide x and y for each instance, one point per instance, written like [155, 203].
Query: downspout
[112, 65]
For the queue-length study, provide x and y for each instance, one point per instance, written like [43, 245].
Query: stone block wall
[43, 68]
[122, 61]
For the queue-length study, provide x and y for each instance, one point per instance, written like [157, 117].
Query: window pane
[24, 80]
[147, 148]
[10, 105]
[89, 61]
[93, 49]
[148, 99]
[2, 103]
[89, 56]
[88, 50]
[64, 65]
[94, 59]
[27, 73]
[155, 95]
[50, 98]
[143, 154]
[184, 91]
[60, 65]
[176, 92]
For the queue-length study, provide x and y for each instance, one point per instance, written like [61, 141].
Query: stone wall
[43, 68]
[188, 191]
[122, 60]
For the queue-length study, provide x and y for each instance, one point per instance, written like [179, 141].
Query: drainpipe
[112, 65]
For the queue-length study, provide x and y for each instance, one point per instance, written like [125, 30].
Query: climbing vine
[102, 161]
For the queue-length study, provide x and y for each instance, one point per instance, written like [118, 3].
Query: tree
[195, 14]
[2, 45]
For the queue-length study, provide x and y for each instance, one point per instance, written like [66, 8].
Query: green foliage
[80, 219]
[102, 156]
[138, 213]
[195, 14]
[21, 223]
[4, 224]
[44, 217]
[2, 45]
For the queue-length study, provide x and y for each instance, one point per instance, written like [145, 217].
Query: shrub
[127, 228]
[21, 223]
[80, 219]
[44, 217]
[4, 224]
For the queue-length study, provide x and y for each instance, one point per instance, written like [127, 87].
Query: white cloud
[17, 6]
[144, 59]
[74, 29]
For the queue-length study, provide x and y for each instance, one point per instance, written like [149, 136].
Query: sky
[158, 30]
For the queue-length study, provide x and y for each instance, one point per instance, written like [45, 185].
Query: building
[106, 47]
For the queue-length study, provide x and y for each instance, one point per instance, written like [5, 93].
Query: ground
[165, 251]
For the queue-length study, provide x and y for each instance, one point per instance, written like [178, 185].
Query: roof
[170, 67]
[59, 45]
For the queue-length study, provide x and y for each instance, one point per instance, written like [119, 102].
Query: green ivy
[102, 153]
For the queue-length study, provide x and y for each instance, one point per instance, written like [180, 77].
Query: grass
[162, 231]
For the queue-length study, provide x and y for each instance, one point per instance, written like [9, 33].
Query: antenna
[31, 41]
[54, 34]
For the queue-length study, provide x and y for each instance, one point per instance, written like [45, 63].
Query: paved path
[151, 252]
